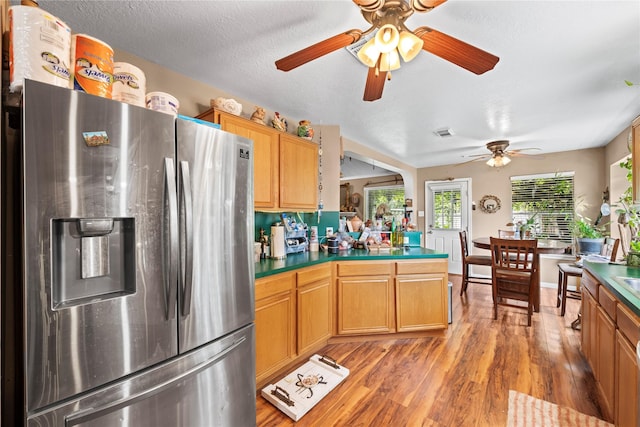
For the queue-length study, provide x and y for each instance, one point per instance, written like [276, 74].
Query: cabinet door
[275, 324]
[421, 302]
[606, 344]
[626, 383]
[314, 315]
[265, 157]
[298, 173]
[364, 305]
[589, 315]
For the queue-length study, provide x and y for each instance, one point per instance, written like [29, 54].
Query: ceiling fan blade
[456, 51]
[478, 159]
[426, 5]
[375, 84]
[317, 50]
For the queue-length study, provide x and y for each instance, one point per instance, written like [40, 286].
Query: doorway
[447, 213]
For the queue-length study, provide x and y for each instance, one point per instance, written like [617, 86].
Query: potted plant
[589, 237]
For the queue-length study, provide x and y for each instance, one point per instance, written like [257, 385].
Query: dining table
[545, 246]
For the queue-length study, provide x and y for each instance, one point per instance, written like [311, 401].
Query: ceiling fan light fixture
[387, 38]
[498, 160]
[390, 61]
[369, 53]
[409, 45]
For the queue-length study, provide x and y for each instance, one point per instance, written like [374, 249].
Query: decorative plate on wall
[490, 204]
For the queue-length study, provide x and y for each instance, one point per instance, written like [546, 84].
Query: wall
[195, 96]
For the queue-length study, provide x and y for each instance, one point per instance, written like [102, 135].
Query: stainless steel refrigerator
[128, 268]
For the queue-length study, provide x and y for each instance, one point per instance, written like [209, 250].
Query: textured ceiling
[559, 84]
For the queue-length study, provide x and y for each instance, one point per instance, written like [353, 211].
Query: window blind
[549, 198]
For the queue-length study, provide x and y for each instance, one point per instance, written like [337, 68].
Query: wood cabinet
[635, 156]
[285, 167]
[626, 368]
[365, 298]
[298, 173]
[421, 295]
[314, 307]
[606, 344]
[392, 296]
[275, 323]
[609, 333]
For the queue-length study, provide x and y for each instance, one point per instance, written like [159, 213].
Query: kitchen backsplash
[327, 219]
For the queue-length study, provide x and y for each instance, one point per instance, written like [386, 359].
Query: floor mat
[527, 411]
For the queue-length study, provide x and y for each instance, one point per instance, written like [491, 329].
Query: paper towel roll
[39, 48]
[129, 84]
[92, 65]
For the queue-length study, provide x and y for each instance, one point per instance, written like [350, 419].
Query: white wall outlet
[329, 231]
[421, 214]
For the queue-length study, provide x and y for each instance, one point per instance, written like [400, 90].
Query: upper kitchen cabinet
[285, 167]
[635, 156]
[298, 173]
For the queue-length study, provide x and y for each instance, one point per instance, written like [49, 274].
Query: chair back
[610, 248]
[503, 234]
[514, 255]
[625, 238]
[464, 244]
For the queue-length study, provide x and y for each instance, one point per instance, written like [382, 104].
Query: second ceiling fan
[381, 54]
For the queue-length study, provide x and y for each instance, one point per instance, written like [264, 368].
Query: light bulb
[369, 53]
[389, 61]
[387, 38]
[409, 45]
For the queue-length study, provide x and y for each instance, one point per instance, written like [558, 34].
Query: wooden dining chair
[505, 234]
[514, 265]
[566, 270]
[468, 260]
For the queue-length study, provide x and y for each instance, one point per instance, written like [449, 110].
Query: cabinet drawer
[607, 301]
[590, 283]
[272, 285]
[313, 274]
[364, 268]
[421, 266]
[628, 323]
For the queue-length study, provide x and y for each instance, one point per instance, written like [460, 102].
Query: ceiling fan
[393, 39]
[499, 155]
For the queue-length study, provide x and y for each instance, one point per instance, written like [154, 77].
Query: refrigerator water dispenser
[92, 259]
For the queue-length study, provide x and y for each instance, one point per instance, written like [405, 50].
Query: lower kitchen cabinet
[275, 324]
[393, 296]
[609, 333]
[314, 307]
[606, 344]
[626, 371]
[626, 383]
[421, 295]
[365, 298]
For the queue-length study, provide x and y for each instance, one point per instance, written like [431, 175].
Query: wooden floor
[462, 379]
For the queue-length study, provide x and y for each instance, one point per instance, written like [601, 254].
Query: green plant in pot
[589, 237]
[633, 257]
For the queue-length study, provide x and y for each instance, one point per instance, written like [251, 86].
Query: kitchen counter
[606, 274]
[270, 266]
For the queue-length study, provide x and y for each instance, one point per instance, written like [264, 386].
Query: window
[447, 209]
[550, 198]
[384, 202]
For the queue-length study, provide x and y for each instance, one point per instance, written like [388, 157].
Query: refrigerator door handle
[170, 237]
[186, 239]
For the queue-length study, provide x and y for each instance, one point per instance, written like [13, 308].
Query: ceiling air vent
[354, 48]
[443, 133]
